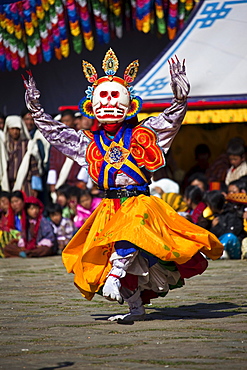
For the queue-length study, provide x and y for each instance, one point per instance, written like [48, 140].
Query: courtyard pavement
[46, 324]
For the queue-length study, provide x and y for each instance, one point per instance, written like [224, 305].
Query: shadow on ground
[60, 365]
[196, 311]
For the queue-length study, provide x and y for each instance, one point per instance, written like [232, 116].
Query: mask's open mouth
[109, 112]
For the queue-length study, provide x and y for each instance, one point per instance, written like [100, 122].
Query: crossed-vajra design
[116, 155]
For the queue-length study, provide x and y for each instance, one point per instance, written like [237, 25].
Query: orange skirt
[149, 223]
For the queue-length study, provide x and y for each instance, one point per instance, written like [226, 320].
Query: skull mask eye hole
[103, 94]
[115, 94]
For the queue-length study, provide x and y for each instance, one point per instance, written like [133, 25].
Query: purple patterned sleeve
[168, 123]
[71, 143]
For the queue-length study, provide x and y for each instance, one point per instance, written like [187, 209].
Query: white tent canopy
[215, 49]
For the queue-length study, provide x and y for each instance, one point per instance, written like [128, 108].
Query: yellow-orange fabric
[147, 222]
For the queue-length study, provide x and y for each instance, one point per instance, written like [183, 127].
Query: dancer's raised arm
[167, 124]
[71, 143]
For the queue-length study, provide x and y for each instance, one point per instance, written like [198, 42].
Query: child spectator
[216, 173]
[8, 229]
[237, 195]
[238, 186]
[199, 179]
[85, 207]
[4, 209]
[37, 236]
[63, 200]
[237, 159]
[62, 227]
[193, 196]
[15, 222]
[234, 187]
[215, 201]
[224, 220]
[73, 199]
[16, 214]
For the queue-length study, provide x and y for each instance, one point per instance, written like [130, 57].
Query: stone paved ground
[46, 324]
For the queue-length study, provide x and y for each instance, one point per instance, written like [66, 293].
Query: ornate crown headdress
[110, 66]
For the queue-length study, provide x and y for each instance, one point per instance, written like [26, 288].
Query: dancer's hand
[32, 94]
[179, 81]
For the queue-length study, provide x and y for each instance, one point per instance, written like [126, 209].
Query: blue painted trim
[207, 9]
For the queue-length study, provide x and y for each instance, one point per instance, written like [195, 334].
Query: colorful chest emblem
[108, 157]
[116, 155]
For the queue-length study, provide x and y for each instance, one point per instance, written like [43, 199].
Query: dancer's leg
[111, 289]
[136, 308]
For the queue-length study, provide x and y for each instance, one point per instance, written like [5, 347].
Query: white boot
[118, 271]
[137, 310]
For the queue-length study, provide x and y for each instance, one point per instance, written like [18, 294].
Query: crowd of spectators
[214, 196]
[45, 197]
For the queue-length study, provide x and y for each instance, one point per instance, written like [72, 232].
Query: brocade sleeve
[71, 143]
[168, 123]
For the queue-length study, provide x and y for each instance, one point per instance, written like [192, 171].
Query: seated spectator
[215, 201]
[63, 200]
[37, 236]
[73, 199]
[224, 220]
[237, 195]
[199, 179]
[4, 210]
[237, 159]
[216, 173]
[62, 227]
[193, 197]
[87, 203]
[15, 220]
[16, 214]
[96, 192]
[238, 186]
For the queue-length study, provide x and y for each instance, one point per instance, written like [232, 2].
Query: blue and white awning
[214, 47]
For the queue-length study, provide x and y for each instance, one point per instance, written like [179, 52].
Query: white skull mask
[111, 102]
